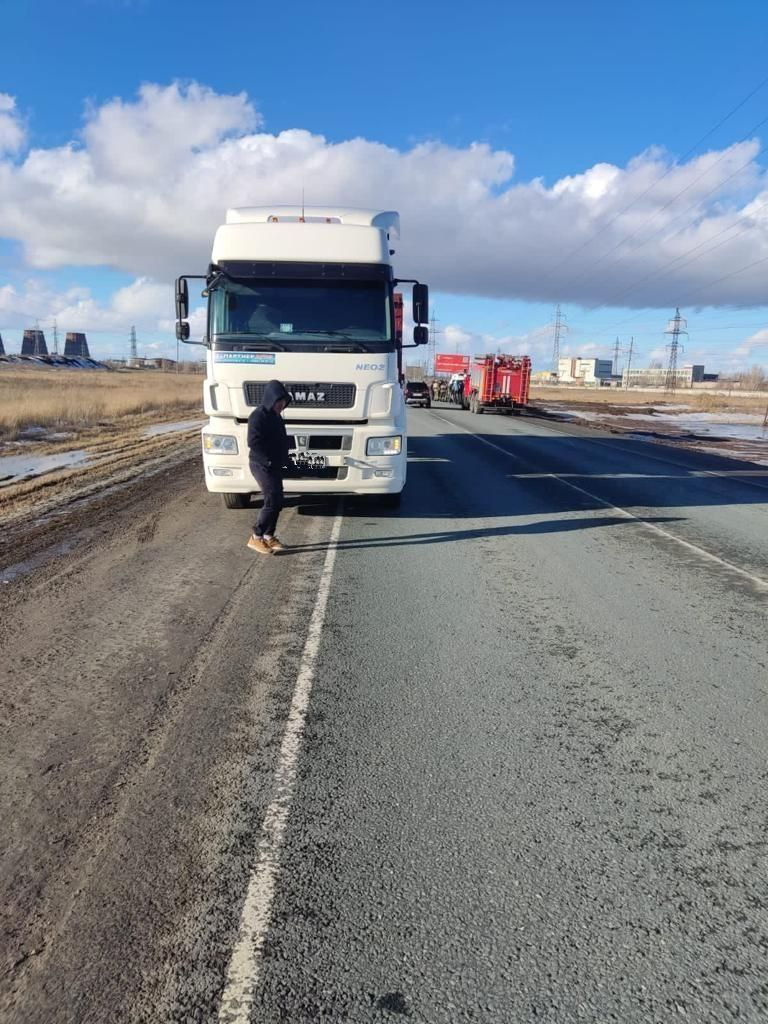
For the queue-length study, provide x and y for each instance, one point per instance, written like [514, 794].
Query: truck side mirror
[420, 335]
[420, 304]
[182, 330]
[182, 300]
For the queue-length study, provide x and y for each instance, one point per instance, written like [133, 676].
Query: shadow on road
[444, 536]
[463, 475]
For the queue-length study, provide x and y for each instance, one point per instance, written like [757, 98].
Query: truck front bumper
[346, 474]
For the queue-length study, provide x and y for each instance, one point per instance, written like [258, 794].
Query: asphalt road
[500, 757]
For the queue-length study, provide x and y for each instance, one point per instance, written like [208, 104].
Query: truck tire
[237, 500]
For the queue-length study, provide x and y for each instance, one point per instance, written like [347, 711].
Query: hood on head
[274, 392]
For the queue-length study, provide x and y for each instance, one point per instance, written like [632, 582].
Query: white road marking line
[245, 963]
[624, 512]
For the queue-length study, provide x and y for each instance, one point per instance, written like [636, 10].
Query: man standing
[267, 457]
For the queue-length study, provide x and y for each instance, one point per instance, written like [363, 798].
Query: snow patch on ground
[172, 428]
[14, 468]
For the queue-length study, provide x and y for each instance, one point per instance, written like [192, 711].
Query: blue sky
[561, 86]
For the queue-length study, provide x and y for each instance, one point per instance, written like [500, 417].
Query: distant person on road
[268, 457]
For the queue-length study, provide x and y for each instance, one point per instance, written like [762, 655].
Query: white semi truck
[307, 297]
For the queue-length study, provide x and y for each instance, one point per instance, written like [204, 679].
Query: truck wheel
[237, 500]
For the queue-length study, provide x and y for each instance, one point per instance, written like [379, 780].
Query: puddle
[14, 468]
[172, 428]
[711, 425]
[13, 572]
[733, 426]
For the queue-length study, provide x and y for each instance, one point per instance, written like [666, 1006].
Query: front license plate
[309, 460]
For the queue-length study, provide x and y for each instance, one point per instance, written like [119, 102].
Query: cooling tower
[76, 345]
[33, 344]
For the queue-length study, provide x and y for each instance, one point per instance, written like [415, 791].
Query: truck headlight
[384, 445]
[220, 444]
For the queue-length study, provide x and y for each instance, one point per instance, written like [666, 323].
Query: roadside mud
[66, 504]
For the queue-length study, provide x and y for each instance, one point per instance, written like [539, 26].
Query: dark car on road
[417, 391]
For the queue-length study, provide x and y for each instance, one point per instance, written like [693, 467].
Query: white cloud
[136, 142]
[149, 183]
[536, 343]
[143, 302]
[754, 348]
[12, 132]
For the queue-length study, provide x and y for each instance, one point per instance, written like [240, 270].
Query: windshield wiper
[253, 346]
[355, 347]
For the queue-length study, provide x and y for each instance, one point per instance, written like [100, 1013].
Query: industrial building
[658, 376]
[577, 370]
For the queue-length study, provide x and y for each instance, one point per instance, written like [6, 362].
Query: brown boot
[259, 544]
[274, 545]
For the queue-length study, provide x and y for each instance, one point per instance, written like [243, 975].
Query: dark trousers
[271, 486]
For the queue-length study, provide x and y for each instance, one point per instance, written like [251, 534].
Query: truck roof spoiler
[385, 220]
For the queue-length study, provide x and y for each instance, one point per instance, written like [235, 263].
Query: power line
[628, 238]
[666, 266]
[707, 284]
[657, 181]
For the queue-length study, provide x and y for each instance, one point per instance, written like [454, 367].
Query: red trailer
[498, 382]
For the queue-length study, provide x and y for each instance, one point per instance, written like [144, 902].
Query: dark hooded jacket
[267, 439]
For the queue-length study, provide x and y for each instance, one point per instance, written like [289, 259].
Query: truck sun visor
[315, 271]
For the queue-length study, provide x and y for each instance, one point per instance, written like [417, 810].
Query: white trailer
[306, 296]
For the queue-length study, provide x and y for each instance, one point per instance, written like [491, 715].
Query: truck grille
[321, 442]
[306, 395]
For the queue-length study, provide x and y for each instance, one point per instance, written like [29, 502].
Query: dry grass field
[697, 401]
[77, 399]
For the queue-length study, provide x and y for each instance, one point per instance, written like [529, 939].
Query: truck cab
[306, 296]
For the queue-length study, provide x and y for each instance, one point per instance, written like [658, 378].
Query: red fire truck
[498, 382]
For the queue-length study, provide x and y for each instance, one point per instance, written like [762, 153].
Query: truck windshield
[303, 315]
